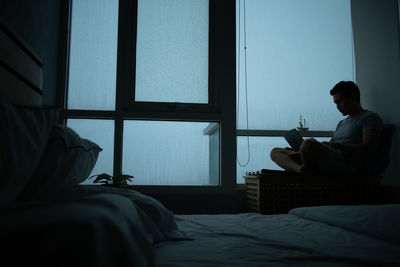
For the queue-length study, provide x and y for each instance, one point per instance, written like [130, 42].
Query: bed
[309, 236]
[49, 218]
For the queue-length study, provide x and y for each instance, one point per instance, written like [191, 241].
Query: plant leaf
[103, 178]
[126, 177]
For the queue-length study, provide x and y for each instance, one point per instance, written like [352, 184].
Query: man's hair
[346, 88]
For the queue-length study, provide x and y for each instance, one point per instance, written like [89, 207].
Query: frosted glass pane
[93, 54]
[172, 51]
[296, 52]
[169, 153]
[260, 148]
[102, 133]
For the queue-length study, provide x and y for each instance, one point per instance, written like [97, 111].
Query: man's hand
[335, 145]
[332, 144]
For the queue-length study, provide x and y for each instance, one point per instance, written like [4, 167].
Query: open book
[294, 139]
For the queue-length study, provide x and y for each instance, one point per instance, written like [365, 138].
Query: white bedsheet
[87, 226]
[315, 236]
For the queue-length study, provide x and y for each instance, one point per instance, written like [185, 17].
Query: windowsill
[280, 133]
[184, 189]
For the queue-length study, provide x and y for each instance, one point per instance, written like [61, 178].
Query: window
[145, 84]
[172, 45]
[295, 53]
[100, 132]
[170, 153]
[93, 55]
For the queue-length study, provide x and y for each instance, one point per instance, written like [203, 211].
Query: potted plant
[302, 124]
[112, 180]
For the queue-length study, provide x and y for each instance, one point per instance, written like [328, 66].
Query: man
[355, 139]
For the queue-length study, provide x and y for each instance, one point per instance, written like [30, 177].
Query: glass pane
[171, 153]
[296, 52]
[260, 147]
[102, 133]
[172, 51]
[93, 55]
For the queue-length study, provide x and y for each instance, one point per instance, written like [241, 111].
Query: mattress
[311, 236]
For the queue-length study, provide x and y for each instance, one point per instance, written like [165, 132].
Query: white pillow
[67, 161]
[24, 132]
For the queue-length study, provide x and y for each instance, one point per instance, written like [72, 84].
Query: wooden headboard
[21, 70]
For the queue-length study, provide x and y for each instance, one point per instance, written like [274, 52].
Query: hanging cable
[352, 50]
[245, 79]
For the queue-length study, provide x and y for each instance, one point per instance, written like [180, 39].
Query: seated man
[355, 139]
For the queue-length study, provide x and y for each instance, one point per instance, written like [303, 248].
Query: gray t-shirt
[350, 130]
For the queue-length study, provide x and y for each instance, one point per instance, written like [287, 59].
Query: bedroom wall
[376, 38]
[38, 23]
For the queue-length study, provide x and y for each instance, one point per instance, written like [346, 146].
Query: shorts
[339, 162]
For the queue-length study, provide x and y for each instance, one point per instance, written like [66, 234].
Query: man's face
[344, 103]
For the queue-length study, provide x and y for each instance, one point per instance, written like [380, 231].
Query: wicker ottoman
[280, 192]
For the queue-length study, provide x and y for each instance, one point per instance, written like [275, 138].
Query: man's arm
[332, 140]
[369, 145]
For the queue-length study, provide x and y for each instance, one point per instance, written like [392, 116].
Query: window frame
[222, 86]
[126, 76]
